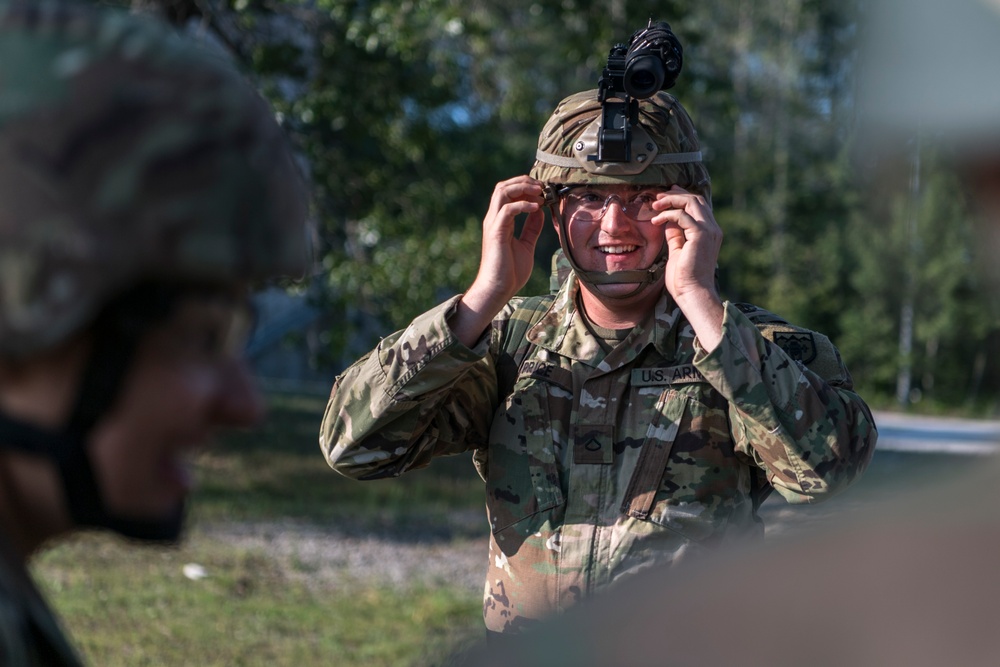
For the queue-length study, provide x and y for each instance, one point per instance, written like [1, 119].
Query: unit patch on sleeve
[799, 345]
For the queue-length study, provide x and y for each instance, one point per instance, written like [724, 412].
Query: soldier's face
[607, 230]
[185, 384]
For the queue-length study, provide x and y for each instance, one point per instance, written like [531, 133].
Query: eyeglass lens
[589, 206]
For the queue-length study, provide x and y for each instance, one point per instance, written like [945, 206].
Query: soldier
[143, 185]
[631, 418]
[911, 582]
[939, 93]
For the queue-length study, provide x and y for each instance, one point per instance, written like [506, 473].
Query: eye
[643, 198]
[587, 197]
[209, 329]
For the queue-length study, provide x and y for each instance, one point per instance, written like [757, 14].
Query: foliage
[407, 114]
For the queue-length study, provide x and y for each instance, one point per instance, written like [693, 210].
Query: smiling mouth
[617, 249]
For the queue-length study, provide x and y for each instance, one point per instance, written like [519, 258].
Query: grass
[125, 604]
[278, 471]
[129, 606]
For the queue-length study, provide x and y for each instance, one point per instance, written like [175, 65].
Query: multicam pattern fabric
[664, 119]
[128, 150]
[598, 466]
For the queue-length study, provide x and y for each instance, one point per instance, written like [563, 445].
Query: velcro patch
[799, 345]
[594, 444]
[655, 377]
[541, 370]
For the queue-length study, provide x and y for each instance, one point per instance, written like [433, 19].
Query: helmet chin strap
[115, 343]
[641, 278]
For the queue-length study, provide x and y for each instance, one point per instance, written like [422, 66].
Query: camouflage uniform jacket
[29, 632]
[597, 469]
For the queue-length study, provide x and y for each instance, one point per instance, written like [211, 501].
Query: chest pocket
[689, 478]
[523, 479]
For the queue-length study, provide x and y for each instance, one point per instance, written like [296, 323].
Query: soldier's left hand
[693, 240]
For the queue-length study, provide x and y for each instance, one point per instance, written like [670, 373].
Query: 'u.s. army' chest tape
[813, 350]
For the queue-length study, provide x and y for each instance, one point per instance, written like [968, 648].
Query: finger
[513, 209]
[675, 237]
[678, 197]
[675, 215]
[513, 190]
[532, 227]
[507, 213]
[516, 188]
[523, 178]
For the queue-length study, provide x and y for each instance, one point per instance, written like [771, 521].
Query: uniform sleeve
[792, 405]
[421, 393]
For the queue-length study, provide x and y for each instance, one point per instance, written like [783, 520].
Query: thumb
[675, 236]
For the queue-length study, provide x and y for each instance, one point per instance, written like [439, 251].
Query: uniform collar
[563, 331]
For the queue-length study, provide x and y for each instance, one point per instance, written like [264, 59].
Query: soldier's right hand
[507, 258]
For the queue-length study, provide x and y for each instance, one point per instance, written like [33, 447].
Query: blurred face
[187, 381]
[609, 230]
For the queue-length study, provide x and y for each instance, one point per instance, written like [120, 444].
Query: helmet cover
[129, 152]
[665, 147]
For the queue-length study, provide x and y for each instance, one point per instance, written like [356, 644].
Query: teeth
[617, 249]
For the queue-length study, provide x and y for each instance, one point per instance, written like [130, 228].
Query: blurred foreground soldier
[914, 582]
[943, 94]
[143, 185]
[631, 418]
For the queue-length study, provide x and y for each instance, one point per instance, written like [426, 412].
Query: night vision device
[650, 62]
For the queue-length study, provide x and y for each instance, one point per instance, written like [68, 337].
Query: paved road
[910, 433]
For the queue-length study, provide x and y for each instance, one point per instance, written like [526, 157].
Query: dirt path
[339, 556]
[452, 552]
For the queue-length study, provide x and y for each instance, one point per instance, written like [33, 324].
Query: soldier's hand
[693, 240]
[507, 258]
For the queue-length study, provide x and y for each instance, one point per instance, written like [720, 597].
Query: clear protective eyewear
[591, 205]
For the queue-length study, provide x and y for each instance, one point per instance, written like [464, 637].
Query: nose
[614, 217]
[239, 402]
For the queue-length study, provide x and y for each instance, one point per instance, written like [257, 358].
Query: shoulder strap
[514, 344]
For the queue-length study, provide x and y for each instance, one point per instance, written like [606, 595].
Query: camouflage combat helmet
[128, 151]
[665, 151]
[133, 161]
[665, 146]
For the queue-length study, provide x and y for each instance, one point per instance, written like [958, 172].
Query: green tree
[407, 114]
[922, 326]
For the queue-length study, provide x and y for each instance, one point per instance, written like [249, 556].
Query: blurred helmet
[130, 157]
[128, 152]
[665, 147]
